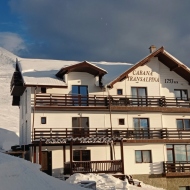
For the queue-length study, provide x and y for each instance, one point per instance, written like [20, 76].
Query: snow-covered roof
[43, 71]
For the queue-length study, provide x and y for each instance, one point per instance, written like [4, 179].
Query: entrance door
[139, 95]
[81, 90]
[80, 126]
[46, 162]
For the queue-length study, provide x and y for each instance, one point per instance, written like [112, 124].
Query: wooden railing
[180, 166]
[108, 166]
[94, 100]
[164, 133]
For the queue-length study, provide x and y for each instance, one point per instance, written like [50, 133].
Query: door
[80, 95]
[80, 126]
[46, 162]
[139, 96]
[141, 126]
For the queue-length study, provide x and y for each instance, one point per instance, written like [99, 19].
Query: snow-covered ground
[17, 173]
[8, 113]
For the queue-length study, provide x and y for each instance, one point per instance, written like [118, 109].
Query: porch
[107, 166]
[176, 169]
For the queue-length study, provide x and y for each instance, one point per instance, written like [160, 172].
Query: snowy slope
[8, 114]
[16, 173]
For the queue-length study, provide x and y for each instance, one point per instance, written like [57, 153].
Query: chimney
[152, 48]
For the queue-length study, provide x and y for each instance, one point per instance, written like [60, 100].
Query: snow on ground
[16, 173]
[8, 113]
[107, 182]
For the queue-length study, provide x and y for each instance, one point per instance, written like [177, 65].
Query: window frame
[43, 123]
[121, 90]
[183, 123]
[181, 98]
[142, 161]
[121, 121]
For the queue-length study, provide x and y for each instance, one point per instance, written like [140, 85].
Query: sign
[143, 76]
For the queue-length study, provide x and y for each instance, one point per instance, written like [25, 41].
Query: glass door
[80, 126]
[80, 95]
[139, 95]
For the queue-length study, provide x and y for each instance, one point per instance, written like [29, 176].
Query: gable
[164, 57]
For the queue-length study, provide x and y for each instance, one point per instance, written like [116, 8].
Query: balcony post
[122, 155]
[34, 155]
[71, 157]
[40, 152]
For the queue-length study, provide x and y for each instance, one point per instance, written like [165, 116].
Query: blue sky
[95, 30]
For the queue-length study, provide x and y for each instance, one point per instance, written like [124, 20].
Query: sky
[109, 30]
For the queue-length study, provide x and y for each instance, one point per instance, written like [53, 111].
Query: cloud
[105, 30]
[12, 42]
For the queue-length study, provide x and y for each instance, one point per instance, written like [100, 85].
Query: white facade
[158, 79]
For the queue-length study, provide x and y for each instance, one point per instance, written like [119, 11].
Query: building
[107, 118]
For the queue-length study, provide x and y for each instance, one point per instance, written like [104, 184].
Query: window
[141, 123]
[143, 156]
[81, 155]
[183, 124]
[181, 94]
[121, 121]
[119, 91]
[43, 120]
[178, 153]
[43, 90]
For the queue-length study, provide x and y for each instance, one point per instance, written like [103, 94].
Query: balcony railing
[179, 168]
[108, 166]
[94, 100]
[164, 133]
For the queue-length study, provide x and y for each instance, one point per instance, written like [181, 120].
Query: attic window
[43, 90]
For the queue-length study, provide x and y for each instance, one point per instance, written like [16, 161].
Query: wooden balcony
[125, 134]
[108, 166]
[17, 87]
[176, 169]
[94, 101]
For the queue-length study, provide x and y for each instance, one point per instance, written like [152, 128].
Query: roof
[164, 57]
[44, 72]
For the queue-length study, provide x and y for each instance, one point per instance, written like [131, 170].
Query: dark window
[43, 120]
[181, 94]
[143, 156]
[119, 91]
[183, 124]
[178, 153]
[81, 155]
[121, 121]
[43, 90]
[80, 126]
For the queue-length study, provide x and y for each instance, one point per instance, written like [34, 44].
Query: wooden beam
[122, 155]
[174, 67]
[34, 155]
[40, 152]
[64, 156]
[71, 157]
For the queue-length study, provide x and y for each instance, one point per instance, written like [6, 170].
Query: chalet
[99, 117]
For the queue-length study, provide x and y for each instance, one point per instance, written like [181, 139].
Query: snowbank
[107, 182]
[16, 173]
